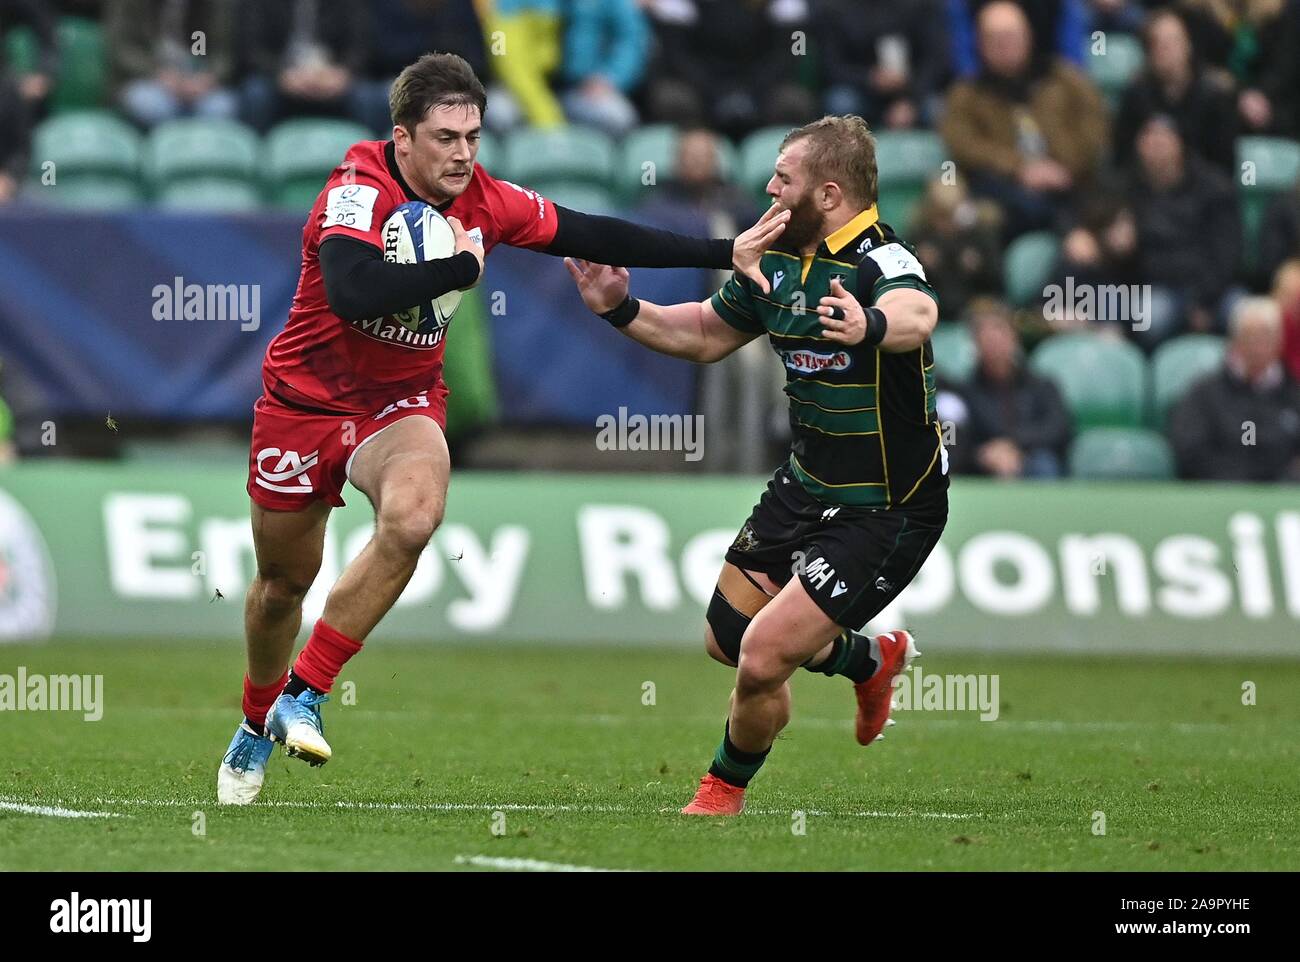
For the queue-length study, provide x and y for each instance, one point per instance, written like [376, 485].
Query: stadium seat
[1276, 167]
[1179, 362]
[572, 154]
[1119, 454]
[907, 160]
[1028, 266]
[215, 194]
[1111, 71]
[82, 69]
[1102, 380]
[491, 156]
[88, 192]
[954, 351]
[299, 156]
[657, 144]
[757, 157]
[94, 152]
[588, 198]
[201, 148]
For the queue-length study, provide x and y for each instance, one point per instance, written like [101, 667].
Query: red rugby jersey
[322, 361]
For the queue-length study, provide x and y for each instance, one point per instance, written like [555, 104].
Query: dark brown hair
[435, 80]
[841, 149]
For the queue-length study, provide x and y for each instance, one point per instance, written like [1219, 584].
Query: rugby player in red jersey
[349, 395]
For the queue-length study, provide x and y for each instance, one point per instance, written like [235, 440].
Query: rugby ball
[416, 232]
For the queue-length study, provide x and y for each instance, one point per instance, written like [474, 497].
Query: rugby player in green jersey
[848, 519]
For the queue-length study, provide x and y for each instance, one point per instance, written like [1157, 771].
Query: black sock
[259, 729]
[850, 656]
[296, 686]
[734, 766]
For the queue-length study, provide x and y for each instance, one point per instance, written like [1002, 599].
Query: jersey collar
[838, 240]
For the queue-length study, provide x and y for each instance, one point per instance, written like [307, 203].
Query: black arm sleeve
[360, 284]
[620, 243]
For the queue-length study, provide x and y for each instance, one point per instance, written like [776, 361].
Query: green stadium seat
[1121, 454]
[758, 158]
[573, 153]
[491, 156]
[1276, 168]
[1103, 381]
[89, 192]
[299, 155]
[96, 157]
[1113, 70]
[201, 148]
[215, 194]
[954, 351]
[575, 195]
[907, 161]
[82, 69]
[1179, 362]
[657, 144]
[1028, 266]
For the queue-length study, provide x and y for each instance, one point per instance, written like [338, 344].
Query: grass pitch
[583, 773]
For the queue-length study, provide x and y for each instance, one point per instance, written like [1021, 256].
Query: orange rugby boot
[716, 797]
[875, 695]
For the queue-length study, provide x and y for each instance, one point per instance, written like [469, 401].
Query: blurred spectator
[1242, 423]
[1174, 83]
[1058, 29]
[1255, 41]
[304, 57]
[1100, 252]
[728, 64]
[15, 140]
[956, 239]
[1026, 133]
[525, 44]
[605, 48]
[1286, 295]
[172, 58]
[405, 30]
[1188, 234]
[31, 88]
[883, 60]
[698, 187]
[1279, 237]
[1017, 425]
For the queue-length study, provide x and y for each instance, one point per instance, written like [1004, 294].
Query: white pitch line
[508, 807]
[527, 864]
[52, 810]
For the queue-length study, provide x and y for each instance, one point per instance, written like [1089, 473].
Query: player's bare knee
[759, 670]
[406, 525]
[282, 591]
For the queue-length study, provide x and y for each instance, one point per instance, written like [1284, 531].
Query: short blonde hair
[842, 150]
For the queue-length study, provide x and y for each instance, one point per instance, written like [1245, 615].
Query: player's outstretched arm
[599, 239]
[692, 331]
[360, 284]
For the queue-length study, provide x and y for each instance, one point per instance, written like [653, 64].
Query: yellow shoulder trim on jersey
[836, 241]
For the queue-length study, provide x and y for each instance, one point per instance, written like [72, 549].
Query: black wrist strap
[625, 313]
[877, 325]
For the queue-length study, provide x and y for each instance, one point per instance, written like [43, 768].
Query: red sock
[259, 698]
[323, 657]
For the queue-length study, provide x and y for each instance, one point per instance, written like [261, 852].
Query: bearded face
[805, 225]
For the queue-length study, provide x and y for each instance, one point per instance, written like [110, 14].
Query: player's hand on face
[750, 245]
[603, 288]
[843, 319]
[464, 242]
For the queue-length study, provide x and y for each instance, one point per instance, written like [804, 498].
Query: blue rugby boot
[295, 722]
[243, 769]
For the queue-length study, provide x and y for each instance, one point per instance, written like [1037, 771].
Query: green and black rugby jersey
[863, 420]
